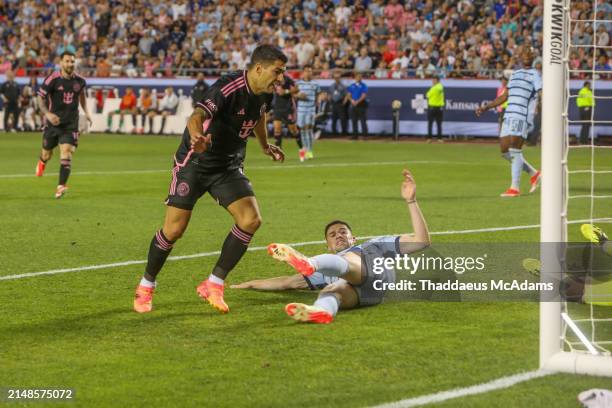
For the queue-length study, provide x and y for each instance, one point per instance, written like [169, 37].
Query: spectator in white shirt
[167, 106]
[363, 62]
[304, 50]
[342, 13]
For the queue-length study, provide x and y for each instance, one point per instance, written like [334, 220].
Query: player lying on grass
[586, 281]
[351, 263]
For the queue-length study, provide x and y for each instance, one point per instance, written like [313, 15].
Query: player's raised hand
[408, 186]
[200, 143]
[275, 152]
[53, 118]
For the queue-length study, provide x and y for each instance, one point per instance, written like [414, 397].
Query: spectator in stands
[9, 92]
[126, 107]
[197, 94]
[357, 96]
[167, 106]
[495, 28]
[604, 66]
[146, 108]
[363, 63]
[381, 71]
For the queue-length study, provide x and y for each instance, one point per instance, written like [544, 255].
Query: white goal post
[553, 211]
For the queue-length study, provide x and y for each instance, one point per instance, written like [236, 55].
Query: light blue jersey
[523, 89]
[310, 89]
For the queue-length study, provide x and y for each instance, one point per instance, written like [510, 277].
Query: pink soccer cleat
[297, 260]
[61, 190]
[213, 294]
[143, 300]
[511, 192]
[535, 181]
[308, 314]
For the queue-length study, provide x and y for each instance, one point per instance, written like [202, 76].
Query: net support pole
[552, 206]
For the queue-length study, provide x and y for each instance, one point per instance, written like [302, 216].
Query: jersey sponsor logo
[210, 105]
[247, 127]
[182, 189]
[68, 97]
[76, 87]
[60, 88]
[241, 112]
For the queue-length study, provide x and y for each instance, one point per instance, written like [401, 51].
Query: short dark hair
[334, 222]
[267, 54]
[307, 66]
[67, 52]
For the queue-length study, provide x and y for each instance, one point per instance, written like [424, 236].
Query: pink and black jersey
[234, 111]
[62, 98]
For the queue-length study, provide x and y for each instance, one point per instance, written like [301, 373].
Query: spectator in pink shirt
[5, 65]
[393, 13]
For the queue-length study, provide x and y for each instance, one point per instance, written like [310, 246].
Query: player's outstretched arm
[496, 102]
[420, 239]
[199, 142]
[279, 283]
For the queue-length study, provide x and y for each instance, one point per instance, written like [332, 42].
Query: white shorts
[305, 118]
[514, 127]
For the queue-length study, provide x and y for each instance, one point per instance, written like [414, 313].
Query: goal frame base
[579, 363]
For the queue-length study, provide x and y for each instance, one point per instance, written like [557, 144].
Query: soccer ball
[396, 104]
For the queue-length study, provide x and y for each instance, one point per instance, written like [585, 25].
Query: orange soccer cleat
[308, 314]
[511, 192]
[297, 260]
[213, 294]
[61, 190]
[535, 181]
[143, 300]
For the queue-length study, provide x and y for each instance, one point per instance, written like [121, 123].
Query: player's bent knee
[250, 224]
[174, 232]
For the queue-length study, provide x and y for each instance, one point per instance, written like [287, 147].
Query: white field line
[497, 384]
[261, 248]
[270, 167]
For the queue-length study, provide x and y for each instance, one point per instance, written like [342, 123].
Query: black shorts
[285, 116]
[190, 182]
[53, 136]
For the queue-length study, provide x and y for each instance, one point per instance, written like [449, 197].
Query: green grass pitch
[77, 330]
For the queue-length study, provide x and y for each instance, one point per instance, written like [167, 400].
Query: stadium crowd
[382, 38]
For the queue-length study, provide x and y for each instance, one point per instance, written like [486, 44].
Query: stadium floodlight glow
[556, 352]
